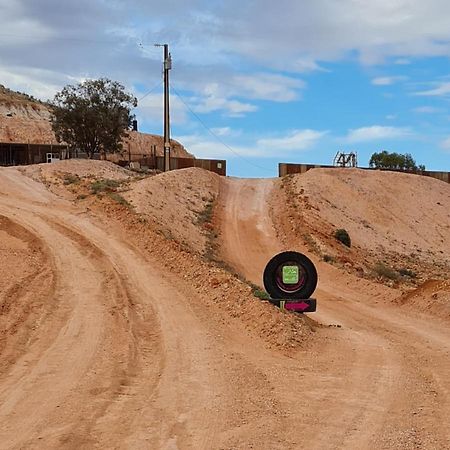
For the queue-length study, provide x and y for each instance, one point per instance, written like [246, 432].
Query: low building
[16, 154]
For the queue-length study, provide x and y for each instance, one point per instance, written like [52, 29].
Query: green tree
[397, 161]
[93, 116]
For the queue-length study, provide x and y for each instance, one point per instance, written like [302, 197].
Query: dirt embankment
[399, 224]
[180, 204]
[371, 386]
[140, 145]
[173, 216]
[142, 342]
[433, 296]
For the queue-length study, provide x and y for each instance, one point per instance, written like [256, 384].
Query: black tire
[303, 289]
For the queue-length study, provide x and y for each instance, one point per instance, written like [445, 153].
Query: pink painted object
[301, 306]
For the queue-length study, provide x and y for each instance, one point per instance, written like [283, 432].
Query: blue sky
[254, 83]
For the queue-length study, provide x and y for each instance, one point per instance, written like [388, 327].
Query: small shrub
[205, 216]
[384, 271]
[329, 258]
[105, 185]
[407, 273]
[119, 199]
[71, 179]
[81, 197]
[259, 293]
[311, 243]
[342, 236]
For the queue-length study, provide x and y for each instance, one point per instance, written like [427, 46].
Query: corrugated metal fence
[218, 166]
[288, 169]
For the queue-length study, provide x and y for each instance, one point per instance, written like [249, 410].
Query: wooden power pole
[167, 67]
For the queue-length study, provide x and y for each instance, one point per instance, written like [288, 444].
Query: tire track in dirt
[38, 382]
[173, 396]
[23, 291]
[128, 357]
[365, 380]
[90, 318]
[129, 345]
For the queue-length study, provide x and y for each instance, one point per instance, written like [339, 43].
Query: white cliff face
[25, 111]
[25, 123]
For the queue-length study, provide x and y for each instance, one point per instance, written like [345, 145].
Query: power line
[150, 91]
[215, 135]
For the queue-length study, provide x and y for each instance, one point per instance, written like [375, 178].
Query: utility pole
[167, 67]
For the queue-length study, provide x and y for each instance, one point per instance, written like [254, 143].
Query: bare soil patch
[399, 224]
[433, 296]
[26, 279]
[179, 204]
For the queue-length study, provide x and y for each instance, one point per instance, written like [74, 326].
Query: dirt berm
[126, 320]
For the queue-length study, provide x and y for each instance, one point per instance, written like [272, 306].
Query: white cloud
[150, 109]
[262, 86]
[442, 89]
[247, 56]
[19, 26]
[232, 108]
[386, 81]
[228, 93]
[427, 110]
[204, 147]
[226, 131]
[277, 33]
[445, 144]
[296, 140]
[402, 61]
[375, 133]
[37, 82]
[306, 65]
[264, 147]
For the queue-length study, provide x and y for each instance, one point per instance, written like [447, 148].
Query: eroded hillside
[399, 224]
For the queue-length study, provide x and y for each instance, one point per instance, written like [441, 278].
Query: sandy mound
[82, 168]
[139, 144]
[180, 203]
[400, 219]
[432, 296]
[382, 210]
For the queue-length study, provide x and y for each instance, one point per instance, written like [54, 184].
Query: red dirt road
[383, 382]
[110, 351]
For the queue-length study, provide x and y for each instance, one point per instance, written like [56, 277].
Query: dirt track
[384, 383]
[116, 353]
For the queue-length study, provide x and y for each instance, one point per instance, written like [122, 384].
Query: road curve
[381, 381]
[117, 353]
[119, 358]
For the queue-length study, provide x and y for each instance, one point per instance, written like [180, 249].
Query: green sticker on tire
[290, 275]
